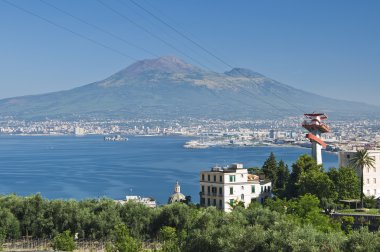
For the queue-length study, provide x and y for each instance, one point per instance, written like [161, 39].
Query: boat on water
[116, 138]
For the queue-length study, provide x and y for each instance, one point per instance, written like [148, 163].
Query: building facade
[223, 187]
[371, 175]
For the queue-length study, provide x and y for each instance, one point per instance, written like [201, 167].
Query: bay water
[67, 167]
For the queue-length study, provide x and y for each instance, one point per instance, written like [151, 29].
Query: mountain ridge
[168, 88]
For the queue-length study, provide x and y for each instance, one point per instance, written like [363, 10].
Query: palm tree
[360, 160]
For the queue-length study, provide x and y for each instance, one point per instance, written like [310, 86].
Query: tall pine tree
[270, 168]
[283, 175]
[305, 163]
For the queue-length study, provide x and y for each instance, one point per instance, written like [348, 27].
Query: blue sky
[327, 47]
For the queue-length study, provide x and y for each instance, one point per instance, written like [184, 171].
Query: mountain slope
[169, 88]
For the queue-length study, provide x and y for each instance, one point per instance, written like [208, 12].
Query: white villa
[222, 187]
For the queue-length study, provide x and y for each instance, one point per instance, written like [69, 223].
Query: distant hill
[169, 88]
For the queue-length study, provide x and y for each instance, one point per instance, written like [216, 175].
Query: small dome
[177, 196]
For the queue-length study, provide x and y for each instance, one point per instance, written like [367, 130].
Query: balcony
[215, 194]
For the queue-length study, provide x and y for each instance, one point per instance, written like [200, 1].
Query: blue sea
[88, 167]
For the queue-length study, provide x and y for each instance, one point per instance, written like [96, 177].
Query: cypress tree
[283, 175]
[270, 168]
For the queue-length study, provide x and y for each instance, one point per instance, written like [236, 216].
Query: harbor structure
[116, 138]
[224, 187]
[314, 124]
[371, 175]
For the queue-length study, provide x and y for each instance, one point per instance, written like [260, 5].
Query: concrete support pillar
[316, 152]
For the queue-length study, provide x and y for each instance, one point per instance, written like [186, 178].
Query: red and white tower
[316, 127]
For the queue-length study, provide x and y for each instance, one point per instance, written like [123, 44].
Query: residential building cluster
[343, 136]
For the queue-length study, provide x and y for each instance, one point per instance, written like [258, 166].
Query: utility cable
[118, 13]
[99, 28]
[202, 47]
[70, 31]
[166, 33]
[110, 48]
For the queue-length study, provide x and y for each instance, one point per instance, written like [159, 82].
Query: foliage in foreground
[295, 225]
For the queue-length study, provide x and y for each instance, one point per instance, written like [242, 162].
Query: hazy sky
[327, 47]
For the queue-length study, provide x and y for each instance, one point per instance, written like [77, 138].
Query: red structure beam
[314, 138]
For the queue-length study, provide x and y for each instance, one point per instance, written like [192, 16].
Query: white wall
[371, 186]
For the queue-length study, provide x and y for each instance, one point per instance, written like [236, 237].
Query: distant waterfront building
[149, 202]
[371, 175]
[272, 134]
[79, 131]
[223, 187]
[177, 196]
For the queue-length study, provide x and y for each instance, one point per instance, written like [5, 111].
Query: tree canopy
[346, 182]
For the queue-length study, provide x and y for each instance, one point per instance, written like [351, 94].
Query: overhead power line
[180, 33]
[118, 13]
[247, 92]
[99, 28]
[202, 47]
[69, 30]
[187, 48]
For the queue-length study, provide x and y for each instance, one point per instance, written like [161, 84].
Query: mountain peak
[165, 64]
[243, 72]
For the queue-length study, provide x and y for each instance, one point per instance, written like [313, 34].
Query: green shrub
[362, 240]
[2, 238]
[123, 241]
[64, 242]
[170, 241]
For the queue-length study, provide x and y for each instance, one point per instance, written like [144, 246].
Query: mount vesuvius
[169, 88]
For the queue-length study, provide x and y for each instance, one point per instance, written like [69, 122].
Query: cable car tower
[314, 124]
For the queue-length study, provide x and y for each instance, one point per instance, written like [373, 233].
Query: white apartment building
[149, 202]
[221, 187]
[371, 175]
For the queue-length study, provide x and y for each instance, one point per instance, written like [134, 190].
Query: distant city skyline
[331, 48]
